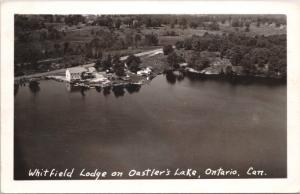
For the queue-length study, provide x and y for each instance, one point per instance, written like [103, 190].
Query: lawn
[157, 62]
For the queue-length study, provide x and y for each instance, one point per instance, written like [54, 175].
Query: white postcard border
[289, 8]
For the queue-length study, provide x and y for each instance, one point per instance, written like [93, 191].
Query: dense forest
[254, 54]
[47, 42]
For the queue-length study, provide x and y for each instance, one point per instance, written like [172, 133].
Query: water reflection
[173, 76]
[179, 75]
[176, 76]
[34, 87]
[170, 77]
[82, 90]
[118, 91]
[106, 90]
[98, 89]
[72, 88]
[16, 89]
[133, 88]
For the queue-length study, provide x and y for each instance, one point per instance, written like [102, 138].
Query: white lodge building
[74, 73]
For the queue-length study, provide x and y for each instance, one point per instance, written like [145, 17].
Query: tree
[78, 50]
[25, 23]
[118, 66]
[179, 44]
[137, 38]
[214, 26]
[235, 23]
[260, 56]
[247, 29]
[148, 22]
[152, 22]
[173, 60]
[107, 63]
[213, 46]
[118, 23]
[133, 63]
[198, 62]
[43, 34]
[247, 63]
[54, 34]
[156, 22]
[183, 23]
[33, 56]
[34, 87]
[151, 39]
[66, 47]
[258, 22]
[172, 25]
[73, 19]
[193, 25]
[98, 64]
[277, 24]
[129, 39]
[228, 70]
[95, 47]
[57, 48]
[167, 49]
[136, 24]
[187, 44]
[24, 37]
[235, 54]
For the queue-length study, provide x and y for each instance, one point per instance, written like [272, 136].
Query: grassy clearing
[157, 62]
[180, 33]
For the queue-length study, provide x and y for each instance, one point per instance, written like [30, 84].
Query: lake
[172, 122]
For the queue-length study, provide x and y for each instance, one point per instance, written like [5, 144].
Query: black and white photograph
[149, 96]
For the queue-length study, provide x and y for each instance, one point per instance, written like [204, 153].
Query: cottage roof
[77, 69]
[91, 69]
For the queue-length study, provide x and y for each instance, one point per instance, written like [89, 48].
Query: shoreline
[227, 77]
[235, 78]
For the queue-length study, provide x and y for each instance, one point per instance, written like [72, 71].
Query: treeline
[207, 22]
[257, 55]
[35, 22]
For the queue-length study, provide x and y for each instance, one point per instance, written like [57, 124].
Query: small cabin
[91, 69]
[146, 71]
[74, 73]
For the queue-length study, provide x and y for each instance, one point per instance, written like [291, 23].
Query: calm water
[166, 124]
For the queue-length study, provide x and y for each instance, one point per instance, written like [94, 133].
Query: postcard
[150, 96]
